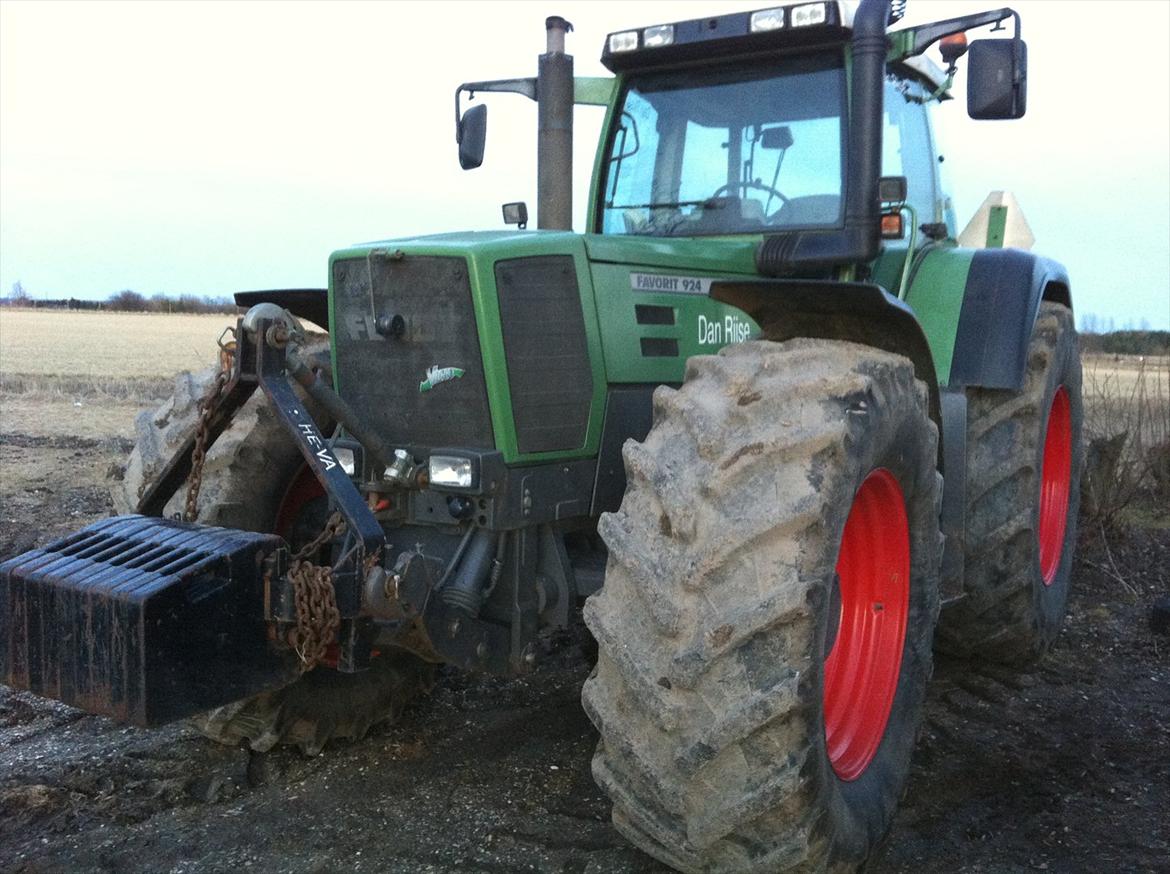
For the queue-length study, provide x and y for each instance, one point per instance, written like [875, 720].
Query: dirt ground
[1062, 768]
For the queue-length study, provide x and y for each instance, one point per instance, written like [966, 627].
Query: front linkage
[148, 619]
[320, 603]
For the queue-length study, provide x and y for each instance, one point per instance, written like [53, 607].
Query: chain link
[334, 526]
[207, 405]
[317, 615]
[316, 600]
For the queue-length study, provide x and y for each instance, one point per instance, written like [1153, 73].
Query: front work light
[809, 13]
[345, 458]
[767, 19]
[658, 35]
[626, 41]
[452, 471]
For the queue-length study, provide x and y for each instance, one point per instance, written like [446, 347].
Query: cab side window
[907, 149]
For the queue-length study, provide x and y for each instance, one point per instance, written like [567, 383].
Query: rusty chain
[317, 615]
[316, 600]
[334, 526]
[207, 405]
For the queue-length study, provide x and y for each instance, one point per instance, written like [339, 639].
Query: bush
[1127, 435]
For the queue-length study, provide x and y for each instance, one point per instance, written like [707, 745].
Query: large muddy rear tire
[255, 479]
[1024, 461]
[785, 501]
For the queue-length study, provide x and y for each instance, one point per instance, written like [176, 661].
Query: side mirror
[471, 135]
[997, 79]
[516, 214]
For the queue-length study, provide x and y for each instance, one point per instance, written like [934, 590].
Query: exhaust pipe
[554, 145]
[859, 240]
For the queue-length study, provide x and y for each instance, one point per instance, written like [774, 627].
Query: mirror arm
[527, 87]
[928, 34]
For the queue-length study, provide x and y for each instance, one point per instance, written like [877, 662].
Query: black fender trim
[304, 303]
[1000, 302]
[854, 311]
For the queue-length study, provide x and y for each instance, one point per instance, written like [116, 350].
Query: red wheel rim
[1055, 480]
[862, 668]
[303, 489]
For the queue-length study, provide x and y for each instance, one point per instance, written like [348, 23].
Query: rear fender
[981, 340]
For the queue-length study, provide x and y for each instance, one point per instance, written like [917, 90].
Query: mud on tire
[252, 477]
[714, 620]
[1012, 609]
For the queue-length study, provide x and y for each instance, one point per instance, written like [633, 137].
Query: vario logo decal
[436, 375]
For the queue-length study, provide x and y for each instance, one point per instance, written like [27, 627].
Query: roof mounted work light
[762, 30]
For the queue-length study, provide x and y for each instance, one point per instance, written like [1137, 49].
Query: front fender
[304, 303]
[854, 311]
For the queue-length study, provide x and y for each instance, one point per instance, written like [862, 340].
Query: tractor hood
[714, 254]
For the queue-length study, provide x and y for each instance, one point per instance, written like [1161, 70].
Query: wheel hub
[1055, 479]
[865, 654]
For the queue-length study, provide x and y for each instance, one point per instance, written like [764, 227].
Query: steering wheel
[719, 192]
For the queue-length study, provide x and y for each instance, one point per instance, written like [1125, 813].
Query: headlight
[451, 470]
[345, 458]
[659, 35]
[810, 13]
[767, 19]
[626, 41]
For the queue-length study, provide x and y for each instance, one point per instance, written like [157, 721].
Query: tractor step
[143, 619]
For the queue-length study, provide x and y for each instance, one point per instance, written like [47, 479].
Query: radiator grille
[381, 376]
[548, 357]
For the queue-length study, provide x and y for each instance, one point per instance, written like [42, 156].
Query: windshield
[748, 150]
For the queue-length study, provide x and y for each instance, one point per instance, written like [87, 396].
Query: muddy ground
[1062, 768]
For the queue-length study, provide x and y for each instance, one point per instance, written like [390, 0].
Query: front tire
[747, 722]
[1024, 462]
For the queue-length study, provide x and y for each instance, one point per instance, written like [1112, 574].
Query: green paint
[608, 299]
[887, 269]
[716, 254]
[700, 325]
[936, 296]
[481, 250]
[996, 223]
[592, 214]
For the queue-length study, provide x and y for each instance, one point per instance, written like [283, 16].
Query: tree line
[125, 301]
[1127, 343]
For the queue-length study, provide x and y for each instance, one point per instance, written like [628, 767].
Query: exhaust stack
[554, 146]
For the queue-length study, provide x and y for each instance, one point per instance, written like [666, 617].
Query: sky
[205, 148]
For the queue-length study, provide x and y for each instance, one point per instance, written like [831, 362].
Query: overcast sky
[210, 147]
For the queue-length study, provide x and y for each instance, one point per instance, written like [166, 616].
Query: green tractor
[761, 422]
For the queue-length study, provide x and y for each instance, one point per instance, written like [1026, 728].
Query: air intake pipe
[858, 241]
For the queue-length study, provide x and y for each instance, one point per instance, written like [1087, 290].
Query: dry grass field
[106, 345]
[87, 374]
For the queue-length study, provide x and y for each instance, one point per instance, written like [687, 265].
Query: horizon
[142, 160]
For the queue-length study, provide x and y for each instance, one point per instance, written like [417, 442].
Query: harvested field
[106, 346]
[1058, 768]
